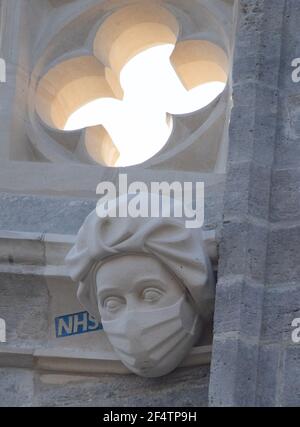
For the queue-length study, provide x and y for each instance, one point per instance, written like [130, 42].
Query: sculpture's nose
[131, 303]
[131, 325]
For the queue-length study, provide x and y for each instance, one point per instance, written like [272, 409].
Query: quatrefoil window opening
[139, 77]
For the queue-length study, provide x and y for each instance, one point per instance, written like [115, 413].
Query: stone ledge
[43, 254]
[61, 360]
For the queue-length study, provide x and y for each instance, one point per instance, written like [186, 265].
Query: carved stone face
[146, 314]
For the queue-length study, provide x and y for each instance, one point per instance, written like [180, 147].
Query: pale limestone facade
[48, 181]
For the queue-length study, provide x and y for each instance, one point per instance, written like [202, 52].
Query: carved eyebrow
[106, 290]
[109, 290]
[151, 280]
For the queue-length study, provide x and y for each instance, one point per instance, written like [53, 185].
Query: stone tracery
[79, 81]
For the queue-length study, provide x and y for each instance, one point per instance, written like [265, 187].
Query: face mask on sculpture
[146, 314]
[150, 283]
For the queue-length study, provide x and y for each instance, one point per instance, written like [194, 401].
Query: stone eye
[112, 303]
[152, 295]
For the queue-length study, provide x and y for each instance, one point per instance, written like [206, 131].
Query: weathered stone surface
[281, 307]
[235, 308]
[285, 198]
[254, 360]
[36, 213]
[243, 200]
[289, 393]
[17, 387]
[244, 245]
[286, 267]
[230, 349]
[23, 304]
[259, 263]
[185, 387]
[43, 214]
[267, 388]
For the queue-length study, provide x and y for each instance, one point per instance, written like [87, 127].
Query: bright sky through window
[141, 124]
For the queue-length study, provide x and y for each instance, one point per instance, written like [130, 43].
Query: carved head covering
[179, 249]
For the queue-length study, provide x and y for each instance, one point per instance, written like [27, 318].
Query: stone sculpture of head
[149, 281]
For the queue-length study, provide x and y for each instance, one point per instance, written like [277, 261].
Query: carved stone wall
[255, 362]
[46, 193]
[38, 36]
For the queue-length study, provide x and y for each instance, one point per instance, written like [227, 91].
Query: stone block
[285, 197]
[233, 377]
[268, 383]
[290, 394]
[237, 308]
[245, 199]
[16, 387]
[253, 125]
[283, 261]
[43, 214]
[281, 307]
[24, 307]
[243, 250]
[184, 387]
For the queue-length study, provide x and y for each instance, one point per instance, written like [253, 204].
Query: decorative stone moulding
[80, 59]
